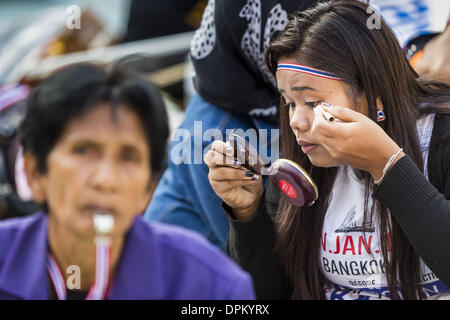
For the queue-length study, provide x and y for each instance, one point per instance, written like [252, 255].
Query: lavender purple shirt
[158, 261]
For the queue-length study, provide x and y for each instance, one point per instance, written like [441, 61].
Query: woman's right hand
[238, 187]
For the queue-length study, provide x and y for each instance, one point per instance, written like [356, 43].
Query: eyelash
[289, 105]
[82, 149]
[311, 104]
[130, 157]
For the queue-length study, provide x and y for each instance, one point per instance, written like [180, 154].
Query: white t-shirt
[351, 261]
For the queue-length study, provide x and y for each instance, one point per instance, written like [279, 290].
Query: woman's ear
[34, 178]
[380, 110]
[379, 102]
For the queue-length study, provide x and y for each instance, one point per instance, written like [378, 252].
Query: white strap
[102, 262]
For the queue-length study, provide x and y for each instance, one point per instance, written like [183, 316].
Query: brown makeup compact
[295, 184]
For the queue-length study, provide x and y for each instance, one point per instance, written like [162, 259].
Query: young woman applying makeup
[380, 226]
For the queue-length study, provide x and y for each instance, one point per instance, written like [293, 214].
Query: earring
[380, 114]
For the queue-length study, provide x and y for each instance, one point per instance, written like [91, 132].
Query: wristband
[388, 164]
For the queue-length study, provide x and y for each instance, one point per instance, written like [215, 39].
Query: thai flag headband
[307, 70]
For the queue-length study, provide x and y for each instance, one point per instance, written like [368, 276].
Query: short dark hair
[76, 89]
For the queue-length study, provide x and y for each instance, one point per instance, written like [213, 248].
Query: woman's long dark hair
[334, 37]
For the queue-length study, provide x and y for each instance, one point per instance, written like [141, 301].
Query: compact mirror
[295, 183]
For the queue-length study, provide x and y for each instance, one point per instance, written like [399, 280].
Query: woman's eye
[130, 156]
[312, 104]
[290, 105]
[82, 149]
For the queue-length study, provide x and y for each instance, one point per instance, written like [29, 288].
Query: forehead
[100, 123]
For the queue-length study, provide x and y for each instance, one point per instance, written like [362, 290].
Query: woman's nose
[106, 176]
[299, 119]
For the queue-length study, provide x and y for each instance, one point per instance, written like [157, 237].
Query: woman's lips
[99, 209]
[307, 147]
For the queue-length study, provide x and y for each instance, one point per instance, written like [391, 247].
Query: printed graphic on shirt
[351, 225]
[204, 39]
[253, 44]
[432, 291]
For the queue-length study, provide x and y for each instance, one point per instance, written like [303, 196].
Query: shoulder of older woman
[23, 246]
[13, 229]
[190, 267]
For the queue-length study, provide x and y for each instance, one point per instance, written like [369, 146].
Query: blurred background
[37, 37]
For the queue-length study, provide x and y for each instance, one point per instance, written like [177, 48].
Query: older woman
[94, 144]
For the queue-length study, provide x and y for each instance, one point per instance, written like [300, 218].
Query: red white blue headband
[307, 70]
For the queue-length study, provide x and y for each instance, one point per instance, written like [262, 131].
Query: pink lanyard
[99, 289]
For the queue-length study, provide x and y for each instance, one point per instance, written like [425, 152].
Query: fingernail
[249, 174]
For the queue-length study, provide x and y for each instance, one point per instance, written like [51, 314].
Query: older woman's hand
[355, 140]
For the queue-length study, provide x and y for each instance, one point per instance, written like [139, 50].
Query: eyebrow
[297, 89]
[92, 143]
[133, 148]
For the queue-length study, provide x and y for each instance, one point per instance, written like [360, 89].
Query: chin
[322, 162]
[84, 227]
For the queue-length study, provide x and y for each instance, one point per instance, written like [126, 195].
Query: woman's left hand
[355, 140]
